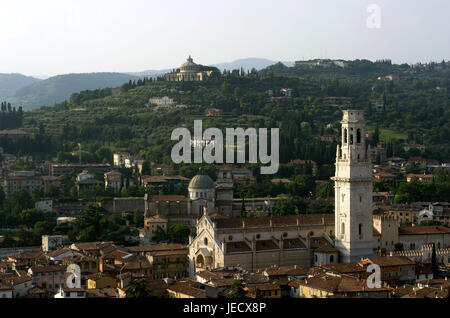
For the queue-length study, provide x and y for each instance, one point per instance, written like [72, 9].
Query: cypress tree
[434, 267]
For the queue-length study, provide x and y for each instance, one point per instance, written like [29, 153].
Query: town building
[113, 180]
[161, 101]
[119, 158]
[21, 180]
[151, 225]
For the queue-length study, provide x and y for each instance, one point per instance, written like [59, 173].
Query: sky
[50, 37]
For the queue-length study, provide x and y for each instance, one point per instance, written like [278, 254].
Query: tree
[434, 266]
[376, 136]
[138, 219]
[179, 233]
[243, 209]
[237, 289]
[160, 235]
[140, 289]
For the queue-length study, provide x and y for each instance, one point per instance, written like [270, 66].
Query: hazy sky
[48, 37]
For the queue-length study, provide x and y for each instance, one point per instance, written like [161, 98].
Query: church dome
[201, 181]
[189, 62]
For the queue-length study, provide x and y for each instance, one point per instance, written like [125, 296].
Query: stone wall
[119, 205]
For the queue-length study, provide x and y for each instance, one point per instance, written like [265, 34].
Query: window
[331, 258]
[351, 139]
[358, 136]
[230, 238]
[285, 234]
[360, 229]
[205, 241]
[343, 228]
[345, 136]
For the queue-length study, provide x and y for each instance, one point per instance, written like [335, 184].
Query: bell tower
[353, 191]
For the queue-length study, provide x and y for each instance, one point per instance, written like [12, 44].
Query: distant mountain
[150, 73]
[59, 88]
[10, 83]
[248, 64]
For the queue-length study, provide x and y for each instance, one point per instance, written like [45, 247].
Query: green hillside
[10, 83]
[59, 88]
[415, 111]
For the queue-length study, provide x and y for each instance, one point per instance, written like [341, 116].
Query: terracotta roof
[255, 278]
[420, 230]
[115, 254]
[222, 282]
[337, 284]
[142, 264]
[344, 268]
[73, 290]
[427, 292]
[170, 252]
[97, 276]
[26, 255]
[102, 293]
[241, 246]
[292, 270]
[264, 221]
[390, 260]
[384, 174]
[58, 252]
[319, 242]
[402, 290]
[264, 287]
[156, 247]
[432, 281]
[263, 245]
[91, 246]
[214, 216]
[293, 243]
[16, 280]
[426, 176]
[157, 219]
[48, 269]
[157, 284]
[186, 288]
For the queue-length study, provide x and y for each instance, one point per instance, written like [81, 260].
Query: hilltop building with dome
[192, 72]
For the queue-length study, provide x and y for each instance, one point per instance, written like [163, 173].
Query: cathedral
[303, 240]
